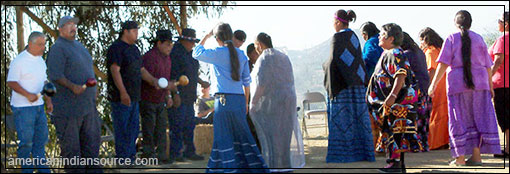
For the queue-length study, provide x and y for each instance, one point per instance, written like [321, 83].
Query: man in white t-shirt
[26, 77]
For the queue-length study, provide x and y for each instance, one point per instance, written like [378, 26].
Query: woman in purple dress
[472, 120]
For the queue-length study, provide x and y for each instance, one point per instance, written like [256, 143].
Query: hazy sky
[300, 27]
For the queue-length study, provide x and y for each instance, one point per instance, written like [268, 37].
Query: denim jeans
[32, 128]
[182, 125]
[154, 124]
[79, 135]
[126, 125]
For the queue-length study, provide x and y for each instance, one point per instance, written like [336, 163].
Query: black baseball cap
[129, 25]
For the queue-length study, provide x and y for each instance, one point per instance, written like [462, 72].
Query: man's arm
[117, 80]
[77, 89]
[147, 77]
[16, 87]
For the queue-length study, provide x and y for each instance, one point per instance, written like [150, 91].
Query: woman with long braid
[472, 120]
[234, 149]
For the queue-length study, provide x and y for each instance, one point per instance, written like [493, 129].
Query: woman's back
[451, 54]
[221, 79]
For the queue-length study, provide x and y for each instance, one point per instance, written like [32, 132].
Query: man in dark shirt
[75, 117]
[152, 107]
[125, 74]
[181, 118]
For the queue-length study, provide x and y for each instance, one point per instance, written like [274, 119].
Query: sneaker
[393, 167]
[195, 157]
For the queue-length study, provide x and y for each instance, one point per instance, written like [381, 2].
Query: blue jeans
[182, 124]
[79, 135]
[32, 127]
[126, 125]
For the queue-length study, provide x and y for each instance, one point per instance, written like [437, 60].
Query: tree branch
[53, 33]
[173, 19]
[39, 21]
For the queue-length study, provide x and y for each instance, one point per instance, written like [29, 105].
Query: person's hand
[177, 101]
[49, 107]
[32, 97]
[171, 86]
[431, 91]
[390, 100]
[77, 89]
[169, 102]
[155, 83]
[124, 99]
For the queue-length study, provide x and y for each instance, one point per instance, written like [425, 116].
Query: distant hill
[307, 66]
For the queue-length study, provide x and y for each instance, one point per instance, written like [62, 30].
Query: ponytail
[224, 33]
[466, 58]
[351, 16]
[234, 61]
[463, 21]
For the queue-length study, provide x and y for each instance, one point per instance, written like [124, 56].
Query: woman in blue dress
[350, 138]
[234, 149]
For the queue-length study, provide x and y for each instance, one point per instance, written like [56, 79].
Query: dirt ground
[316, 148]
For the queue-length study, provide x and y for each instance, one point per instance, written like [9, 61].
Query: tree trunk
[20, 29]
[183, 15]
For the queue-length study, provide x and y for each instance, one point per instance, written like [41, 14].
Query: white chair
[312, 98]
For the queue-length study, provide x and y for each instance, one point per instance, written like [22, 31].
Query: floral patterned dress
[397, 123]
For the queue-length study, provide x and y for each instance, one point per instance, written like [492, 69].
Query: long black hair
[409, 44]
[430, 38]
[224, 33]
[463, 21]
[370, 29]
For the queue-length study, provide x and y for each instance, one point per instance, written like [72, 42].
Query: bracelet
[394, 95]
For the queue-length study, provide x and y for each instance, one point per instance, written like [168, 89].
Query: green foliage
[491, 36]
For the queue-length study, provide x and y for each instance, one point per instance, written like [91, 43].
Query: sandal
[455, 164]
[470, 162]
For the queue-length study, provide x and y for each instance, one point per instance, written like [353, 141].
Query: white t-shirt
[30, 73]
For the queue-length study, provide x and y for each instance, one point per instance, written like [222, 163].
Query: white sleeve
[14, 74]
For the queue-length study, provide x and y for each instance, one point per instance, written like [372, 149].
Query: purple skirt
[472, 123]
